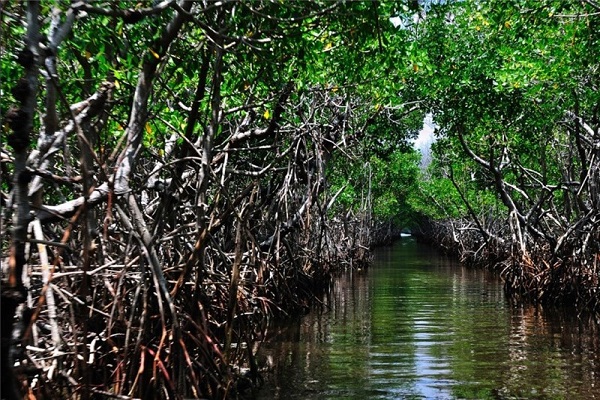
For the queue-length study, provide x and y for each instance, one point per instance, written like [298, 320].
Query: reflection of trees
[551, 353]
[420, 327]
[539, 353]
[322, 346]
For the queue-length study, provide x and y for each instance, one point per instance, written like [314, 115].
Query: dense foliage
[169, 175]
[513, 90]
[177, 173]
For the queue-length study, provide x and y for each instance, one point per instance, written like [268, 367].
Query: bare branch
[131, 15]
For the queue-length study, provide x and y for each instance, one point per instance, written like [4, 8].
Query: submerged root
[122, 340]
[531, 271]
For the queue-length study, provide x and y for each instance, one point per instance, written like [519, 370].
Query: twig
[46, 276]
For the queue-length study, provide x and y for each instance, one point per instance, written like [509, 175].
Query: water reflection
[417, 326]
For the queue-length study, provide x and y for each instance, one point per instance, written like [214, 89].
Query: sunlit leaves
[393, 181]
[508, 72]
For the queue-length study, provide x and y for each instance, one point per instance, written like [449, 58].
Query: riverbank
[531, 272]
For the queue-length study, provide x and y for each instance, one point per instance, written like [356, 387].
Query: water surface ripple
[418, 326]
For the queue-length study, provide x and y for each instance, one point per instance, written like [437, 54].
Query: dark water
[417, 326]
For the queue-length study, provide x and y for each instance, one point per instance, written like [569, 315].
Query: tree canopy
[176, 173]
[511, 86]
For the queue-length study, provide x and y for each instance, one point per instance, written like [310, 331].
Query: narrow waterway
[419, 326]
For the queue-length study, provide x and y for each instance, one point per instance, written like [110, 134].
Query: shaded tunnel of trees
[176, 175]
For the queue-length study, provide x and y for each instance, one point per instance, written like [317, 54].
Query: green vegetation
[176, 173]
[517, 119]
